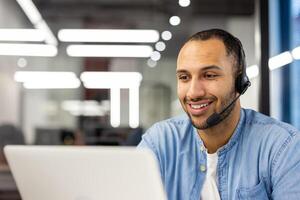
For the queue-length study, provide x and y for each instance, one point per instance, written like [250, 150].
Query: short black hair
[232, 44]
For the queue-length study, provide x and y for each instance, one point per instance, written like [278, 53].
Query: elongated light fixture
[280, 60]
[137, 51]
[116, 81]
[276, 62]
[31, 35]
[108, 35]
[47, 80]
[84, 108]
[36, 19]
[13, 49]
[107, 80]
[115, 107]
[296, 53]
[63, 84]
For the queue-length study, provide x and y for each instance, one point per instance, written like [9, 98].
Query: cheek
[181, 90]
[219, 88]
[224, 89]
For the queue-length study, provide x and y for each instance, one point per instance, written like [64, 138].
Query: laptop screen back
[85, 173]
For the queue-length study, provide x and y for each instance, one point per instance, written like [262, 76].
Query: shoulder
[277, 138]
[262, 124]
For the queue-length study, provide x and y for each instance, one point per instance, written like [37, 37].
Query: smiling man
[219, 150]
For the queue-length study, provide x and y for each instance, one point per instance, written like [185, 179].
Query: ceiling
[95, 8]
[137, 14]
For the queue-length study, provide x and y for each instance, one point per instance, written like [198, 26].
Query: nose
[196, 90]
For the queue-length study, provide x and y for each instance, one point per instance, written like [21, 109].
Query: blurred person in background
[218, 150]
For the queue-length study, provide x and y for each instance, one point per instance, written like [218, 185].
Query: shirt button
[202, 148]
[202, 168]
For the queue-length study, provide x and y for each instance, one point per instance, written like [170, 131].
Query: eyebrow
[202, 69]
[211, 67]
[181, 71]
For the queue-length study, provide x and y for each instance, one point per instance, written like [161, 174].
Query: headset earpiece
[242, 81]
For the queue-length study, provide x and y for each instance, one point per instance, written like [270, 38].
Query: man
[219, 150]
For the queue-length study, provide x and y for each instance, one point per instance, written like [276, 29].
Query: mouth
[198, 108]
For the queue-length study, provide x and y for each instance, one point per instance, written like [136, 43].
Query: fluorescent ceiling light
[108, 80]
[174, 20]
[252, 71]
[66, 84]
[137, 51]
[166, 35]
[47, 80]
[160, 46]
[115, 107]
[296, 53]
[276, 62]
[184, 3]
[155, 56]
[42, 50]
[116, 81]
[92, 113]
[30, 10]
[22, 62]
[26, 76]
[50, 38]
[30, 35]
[84, 108]
[280, 60]
[151, 63]
[36, 19]
[108, 35]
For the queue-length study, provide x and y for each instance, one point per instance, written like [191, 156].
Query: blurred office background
[51, 49]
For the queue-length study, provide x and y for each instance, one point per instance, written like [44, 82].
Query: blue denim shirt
[260, 161]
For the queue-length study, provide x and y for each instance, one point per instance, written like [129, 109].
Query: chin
[197, 123]
[200, 126]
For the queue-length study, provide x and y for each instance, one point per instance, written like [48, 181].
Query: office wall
[10, 17]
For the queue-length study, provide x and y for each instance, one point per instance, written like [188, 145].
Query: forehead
[205, 53]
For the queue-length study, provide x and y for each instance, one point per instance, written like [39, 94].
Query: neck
[218, 135]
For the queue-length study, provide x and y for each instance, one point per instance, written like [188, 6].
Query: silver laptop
[85, 173]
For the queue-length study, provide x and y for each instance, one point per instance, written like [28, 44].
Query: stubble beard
[228, 99]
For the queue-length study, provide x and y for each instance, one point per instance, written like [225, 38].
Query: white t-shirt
[210, 189]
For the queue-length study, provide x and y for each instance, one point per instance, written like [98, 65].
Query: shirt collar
[232, 141]
[235, 136]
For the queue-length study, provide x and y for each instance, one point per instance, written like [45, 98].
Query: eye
[183, 77]
[210, 75]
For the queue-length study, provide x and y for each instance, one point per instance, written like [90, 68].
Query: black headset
[241, 85]
[242, 81]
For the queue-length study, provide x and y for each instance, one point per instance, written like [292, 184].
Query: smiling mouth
[198, 106]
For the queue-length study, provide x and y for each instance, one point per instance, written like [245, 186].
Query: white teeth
[199, 106]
